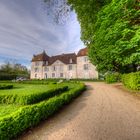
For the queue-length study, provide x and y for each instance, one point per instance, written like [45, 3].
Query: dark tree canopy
[111, 30]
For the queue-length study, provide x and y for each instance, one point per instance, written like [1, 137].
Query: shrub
[31, 98]
[112, 78]
[131, 81]
[28, 116]
[43, 81]
[6, 86]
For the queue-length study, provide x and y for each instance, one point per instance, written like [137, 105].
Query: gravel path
[103, 112]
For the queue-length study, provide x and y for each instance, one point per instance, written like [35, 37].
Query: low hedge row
[43, 81]
[26, 117]
[112, 78]
[26, 99]
[6, 86]
[132, 80]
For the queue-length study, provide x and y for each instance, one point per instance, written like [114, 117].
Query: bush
[112, 78]
[26, 117]
[6, 86]
[131, 81]
[25, 99]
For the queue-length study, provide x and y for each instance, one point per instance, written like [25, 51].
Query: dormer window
[45, 63]
[70, 60]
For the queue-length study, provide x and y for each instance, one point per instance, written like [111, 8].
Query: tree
[9, 71]
[111, 30]
[58, 10]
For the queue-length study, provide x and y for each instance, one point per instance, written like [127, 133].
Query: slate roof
[65, 58]
[40, 57]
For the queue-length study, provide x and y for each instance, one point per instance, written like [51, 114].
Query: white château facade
[67, 66]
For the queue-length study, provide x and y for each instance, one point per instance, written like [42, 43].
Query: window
[35, 75]
[36, 69]
[61, 75]
[61, 68]
[86, 67]
[36, 63]
[70, 60]
[46, 69]
[53, 75]
[85, 58]
[45, 62]
[45, 75]
[54, 68]
[70, 67]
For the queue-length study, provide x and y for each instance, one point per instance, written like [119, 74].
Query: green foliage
[8, 109]
[28, 116]
[10, 71]
[2, 86]
[111, 31]
[112, 78]
[46, 81]
[30, 94]
[131, 81]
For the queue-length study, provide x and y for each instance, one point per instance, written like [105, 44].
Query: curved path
[103, 112]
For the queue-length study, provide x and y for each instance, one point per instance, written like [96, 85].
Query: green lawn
[26, 89]
[23, 94]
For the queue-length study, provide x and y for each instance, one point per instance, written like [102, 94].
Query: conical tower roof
[41, 57]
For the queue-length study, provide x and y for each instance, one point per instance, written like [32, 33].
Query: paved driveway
[103, 112]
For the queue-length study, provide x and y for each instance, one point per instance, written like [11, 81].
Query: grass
[26, 89]
[24, 94]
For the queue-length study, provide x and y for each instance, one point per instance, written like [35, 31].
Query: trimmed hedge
[131, 80]
[25, 99]
[6, 86]
[26, 117]
[112, 78]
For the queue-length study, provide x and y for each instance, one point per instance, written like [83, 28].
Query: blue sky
[26, 29]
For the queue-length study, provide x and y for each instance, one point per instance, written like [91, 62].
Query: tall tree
[111, 30]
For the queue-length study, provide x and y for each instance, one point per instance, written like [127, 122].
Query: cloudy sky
[27, 29]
